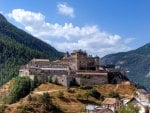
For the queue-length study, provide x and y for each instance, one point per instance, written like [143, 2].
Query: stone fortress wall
[75, 68]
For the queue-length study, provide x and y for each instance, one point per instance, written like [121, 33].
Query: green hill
[18, 47]
[135, 62]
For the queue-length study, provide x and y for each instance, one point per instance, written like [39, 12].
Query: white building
[112, 103]
[97, 109]
[142, 108]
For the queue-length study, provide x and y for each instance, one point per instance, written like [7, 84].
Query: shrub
[50, 79]
[2, 108]
[20, 88]
[60, 94]
[25, 109]
[94, 93]
[86, 95]
[34, 98]
[44, 98]
[85, 87]
[29, 98]
[47, 105]
[56, 81]
[129, 109]
[70, 90]
[78, 96]
[113, 94]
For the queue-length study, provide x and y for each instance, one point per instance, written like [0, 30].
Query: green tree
[128, 109]
[56, 81]
[78, 96]
[94, 93]
[20, 88]
[25, 109]
[47, 105]
[2, 108]
[60, 94]
[86, 95]
[113, 94]
[50, 79]
[29, 98]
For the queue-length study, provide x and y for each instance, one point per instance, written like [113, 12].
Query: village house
[142, 96]
[142, 108]
[112, 103]
[97, 109]
[142, 100]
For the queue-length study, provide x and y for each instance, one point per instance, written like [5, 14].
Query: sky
[99, 27]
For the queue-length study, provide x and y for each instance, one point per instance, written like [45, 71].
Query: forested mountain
[18, 47]
[135, 62]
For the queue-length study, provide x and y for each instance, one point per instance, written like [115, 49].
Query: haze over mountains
[135, 62]
[18, 47]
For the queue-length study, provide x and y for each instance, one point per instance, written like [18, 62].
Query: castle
[77, 68]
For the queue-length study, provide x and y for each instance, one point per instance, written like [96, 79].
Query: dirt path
[41, 92]
[116, 87]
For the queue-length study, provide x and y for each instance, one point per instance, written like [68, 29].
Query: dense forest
[135, 62]
[18, 47]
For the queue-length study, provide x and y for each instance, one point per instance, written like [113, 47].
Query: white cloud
[65, 9]
[68, 37]
[1, 12]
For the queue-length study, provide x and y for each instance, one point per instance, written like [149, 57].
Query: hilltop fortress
[76, 68]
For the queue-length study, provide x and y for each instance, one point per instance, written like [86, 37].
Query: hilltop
[18, 47]
[135, 62]
[69, 101]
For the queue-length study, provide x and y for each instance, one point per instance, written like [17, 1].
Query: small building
[142, 99]
[97, 109]
[142, 108]
[112, 103]
[142, 96]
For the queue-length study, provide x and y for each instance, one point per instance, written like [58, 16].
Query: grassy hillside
[136, 62]
[18, 47]
[69, 102]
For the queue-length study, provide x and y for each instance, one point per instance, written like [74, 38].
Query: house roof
[148, 95]
[141, 91]
[134, 101]
[102, 110]
[98, 109]
[110, 101]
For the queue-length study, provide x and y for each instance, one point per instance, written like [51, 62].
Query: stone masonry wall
[93, 80]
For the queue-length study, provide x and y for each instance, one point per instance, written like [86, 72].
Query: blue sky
[98, 26]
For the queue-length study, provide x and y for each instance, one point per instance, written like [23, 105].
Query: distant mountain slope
[26, 39]
[135, 62]
[18, 47]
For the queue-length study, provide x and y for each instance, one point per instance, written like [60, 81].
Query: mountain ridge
[15, 33]
[135, 62]
[18, 47]
[2, 18]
